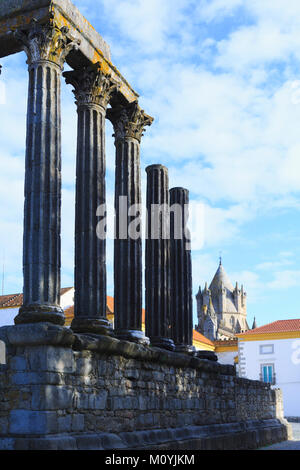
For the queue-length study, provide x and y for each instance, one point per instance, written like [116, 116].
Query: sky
[222, 80]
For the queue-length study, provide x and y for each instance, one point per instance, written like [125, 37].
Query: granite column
[92, 90]
[157, 264]
[129, 122]
[46, 47]
[181, 272]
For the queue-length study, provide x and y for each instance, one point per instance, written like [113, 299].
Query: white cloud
[272, 265]
[145, 23]
[215, 10]
[285, 279]
[247, 134]
[264, 44]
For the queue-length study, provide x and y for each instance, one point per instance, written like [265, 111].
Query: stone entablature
[92, 49]
[65, 390]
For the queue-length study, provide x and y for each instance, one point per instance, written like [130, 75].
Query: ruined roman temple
[96, 385]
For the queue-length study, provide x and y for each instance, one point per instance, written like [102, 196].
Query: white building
[227, 351]
[10, 304]
[271, 353]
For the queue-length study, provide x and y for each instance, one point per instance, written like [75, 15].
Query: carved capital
[46, 42]
[91, 85]
[129, 121]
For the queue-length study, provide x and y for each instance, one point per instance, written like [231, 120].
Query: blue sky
[222, 80]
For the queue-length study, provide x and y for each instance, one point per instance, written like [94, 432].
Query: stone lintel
[18, 14]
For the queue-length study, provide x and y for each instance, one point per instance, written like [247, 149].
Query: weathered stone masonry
[75, 391]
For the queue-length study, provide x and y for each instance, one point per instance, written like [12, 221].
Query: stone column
[157, 267]
[181, 272]
[92, 89]
[46, 47]
[129, 122]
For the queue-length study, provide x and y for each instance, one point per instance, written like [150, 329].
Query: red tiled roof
[16, 300]
[110, 304]
[199, 337]
[278, 326]
[63, 290]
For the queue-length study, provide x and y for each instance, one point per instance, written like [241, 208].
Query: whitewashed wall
[226, 357]
[67, 299]
[286, 360]
[7, 315]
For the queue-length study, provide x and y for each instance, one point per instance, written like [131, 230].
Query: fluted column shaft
[181, 272]
[128, 251]
[90, 251]
[41, 242]
[92, 90]
[46, 48]
[128, 124]
[157, 264]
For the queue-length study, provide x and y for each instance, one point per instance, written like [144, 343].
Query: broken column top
[18, 14]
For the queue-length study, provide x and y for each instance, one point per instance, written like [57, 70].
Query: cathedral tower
[221, 308]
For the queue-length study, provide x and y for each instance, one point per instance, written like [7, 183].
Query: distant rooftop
[278, 326]
[16, 300]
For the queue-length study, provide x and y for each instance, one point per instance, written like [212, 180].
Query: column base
[40, 314]
[136, 336]
[100, 326]
[185, 348]
[164, 343]
[210, 355]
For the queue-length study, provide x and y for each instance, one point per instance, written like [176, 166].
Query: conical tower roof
[220, 279]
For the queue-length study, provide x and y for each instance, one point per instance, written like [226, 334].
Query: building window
[266, 349]
[267, 374]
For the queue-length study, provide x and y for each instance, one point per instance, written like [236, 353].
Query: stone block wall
[82, 391]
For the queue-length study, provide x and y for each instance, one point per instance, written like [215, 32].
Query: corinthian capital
[91, 85]
[129, 121]
[46, 42]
